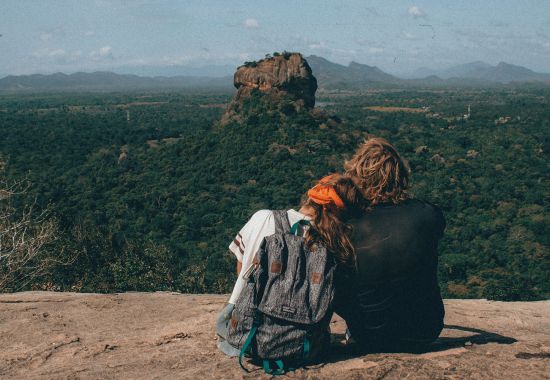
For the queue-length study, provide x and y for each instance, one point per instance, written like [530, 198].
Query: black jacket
[394, 299]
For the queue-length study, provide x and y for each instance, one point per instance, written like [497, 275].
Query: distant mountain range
[458, 71]
[107, 81]
[501, 73]
[329, 75]
[213, 71]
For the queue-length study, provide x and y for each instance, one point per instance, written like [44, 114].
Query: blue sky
[397, 36]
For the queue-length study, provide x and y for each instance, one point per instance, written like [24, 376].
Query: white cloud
[51, 34]
[102, 54]
[408, 36]
[172, 60]
[375, 50]
[46, 36]
[324, 49]
[55, 56]
[89, 33]
[244, 56]
[105, 51]
[416, 12]
[251, 23]
[57, 53]
[316, 46]
[43, 53]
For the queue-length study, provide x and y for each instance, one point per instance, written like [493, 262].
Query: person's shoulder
[417, 209]
[433, 208]
[434, 213]
[262, 214]
[260, 217]
[422, 205]
[260, 223]
[414, 205]
[415, 202]
[294, 216]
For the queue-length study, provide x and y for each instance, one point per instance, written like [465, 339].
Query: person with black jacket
[393, 301]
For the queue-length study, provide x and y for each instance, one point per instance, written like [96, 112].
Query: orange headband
[325, 194]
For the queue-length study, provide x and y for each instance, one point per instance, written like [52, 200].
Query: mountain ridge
[502, 72]
[329, 75]
[105, 80]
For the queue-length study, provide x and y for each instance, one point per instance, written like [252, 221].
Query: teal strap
[247, 344]
[307, 348]
[295, 226]
[281, 365]
[272, 371]
[267, 368]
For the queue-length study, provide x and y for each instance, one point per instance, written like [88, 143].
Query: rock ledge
[162, 335]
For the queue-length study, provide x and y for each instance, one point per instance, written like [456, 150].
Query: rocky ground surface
[47, 335]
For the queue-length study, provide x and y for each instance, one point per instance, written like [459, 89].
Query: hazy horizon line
[135, 69]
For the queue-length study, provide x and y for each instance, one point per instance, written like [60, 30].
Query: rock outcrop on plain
[289, 74]
[284, 76]
[46, 335]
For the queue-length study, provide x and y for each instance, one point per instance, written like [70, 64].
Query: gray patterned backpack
[282, 315]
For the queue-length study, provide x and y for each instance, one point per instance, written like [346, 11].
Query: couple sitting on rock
[384, 279]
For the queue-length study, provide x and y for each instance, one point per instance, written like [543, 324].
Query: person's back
[394, 301]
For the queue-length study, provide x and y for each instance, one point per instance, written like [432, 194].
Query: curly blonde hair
[379, 171]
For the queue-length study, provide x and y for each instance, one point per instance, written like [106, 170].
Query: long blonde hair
[329, 222]
[379, 171]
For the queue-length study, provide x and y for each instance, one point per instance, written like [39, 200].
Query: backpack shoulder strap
[281, 221]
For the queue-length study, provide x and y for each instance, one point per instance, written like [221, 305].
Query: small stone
[438, 158]
[421, 149]
[468, 343]
[444, 364]
[472, 153]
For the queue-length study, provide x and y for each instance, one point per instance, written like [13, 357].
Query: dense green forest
[148, 190]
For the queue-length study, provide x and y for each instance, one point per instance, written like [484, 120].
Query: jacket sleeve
[439, 222]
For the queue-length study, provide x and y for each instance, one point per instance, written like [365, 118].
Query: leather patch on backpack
[276, 267]
[233, 323]
[316, 278]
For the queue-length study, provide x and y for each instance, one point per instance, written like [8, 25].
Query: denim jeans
[222, 326]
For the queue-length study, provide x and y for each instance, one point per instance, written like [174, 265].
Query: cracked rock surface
[291, 75]
[161, 335]
[285, 77]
